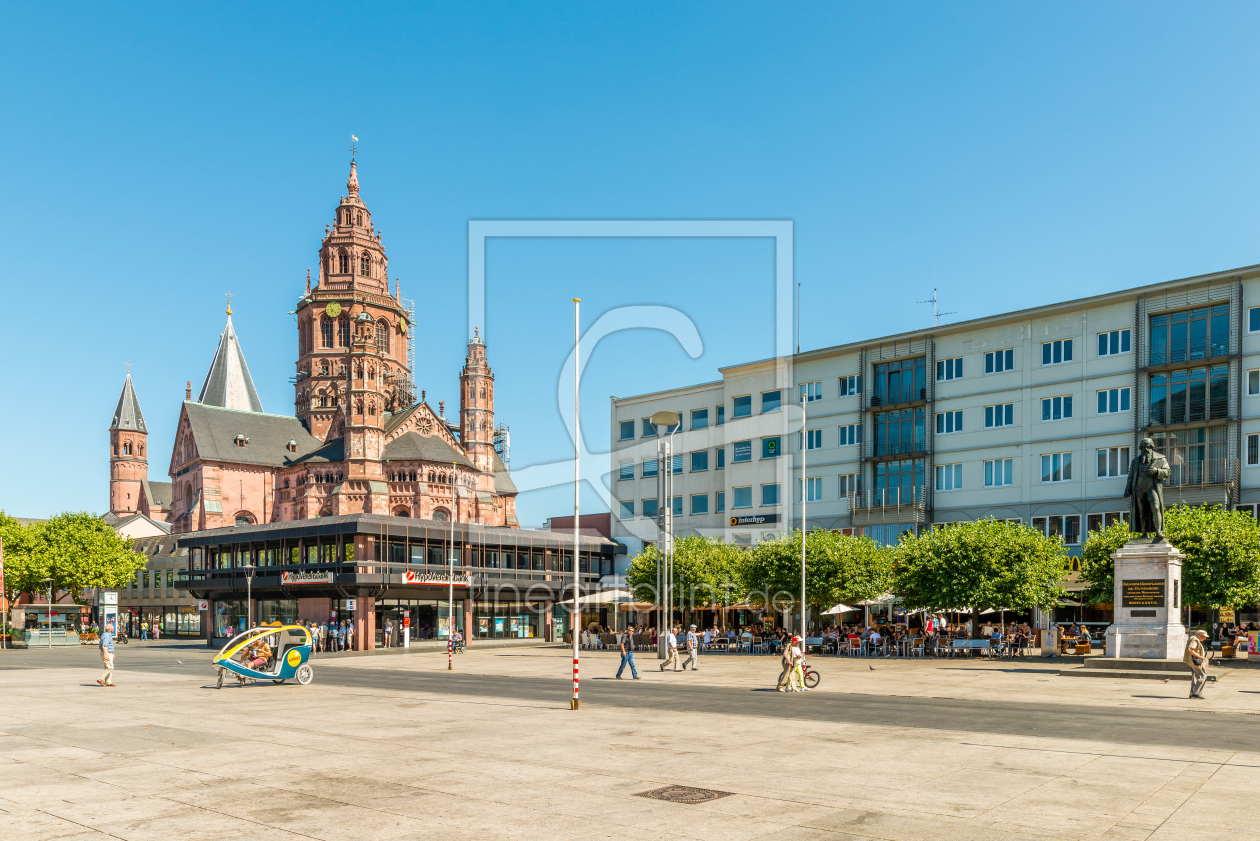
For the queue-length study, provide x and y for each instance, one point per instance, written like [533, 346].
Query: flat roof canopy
[395, 528]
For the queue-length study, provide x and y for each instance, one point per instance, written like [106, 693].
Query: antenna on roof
[936, 313]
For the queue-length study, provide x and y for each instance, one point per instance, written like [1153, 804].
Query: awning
[840, 608]
[887, 598]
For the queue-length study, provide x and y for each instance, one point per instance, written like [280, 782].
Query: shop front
[370, 570]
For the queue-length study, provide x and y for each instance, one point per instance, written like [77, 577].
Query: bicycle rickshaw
[290, 649]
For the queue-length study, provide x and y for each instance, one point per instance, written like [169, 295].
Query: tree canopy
[1222, 549]
[19, 571]
[78, 551]
[981, 564]
[838, 568]
[706, 572]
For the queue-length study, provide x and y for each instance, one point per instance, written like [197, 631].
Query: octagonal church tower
[352, 294]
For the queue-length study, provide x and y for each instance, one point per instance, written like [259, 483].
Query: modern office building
[1030, 416]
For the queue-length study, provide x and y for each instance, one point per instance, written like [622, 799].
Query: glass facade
[1195, 455]
[900, 382]
[899, 432]
[1185, 336]
[1196, 394]
[899, 482]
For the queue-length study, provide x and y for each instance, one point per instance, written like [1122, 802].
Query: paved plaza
[394, 746]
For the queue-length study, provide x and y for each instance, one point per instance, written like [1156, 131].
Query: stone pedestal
[1147, 602]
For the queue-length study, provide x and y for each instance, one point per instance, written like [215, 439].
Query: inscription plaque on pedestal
[1145, 592]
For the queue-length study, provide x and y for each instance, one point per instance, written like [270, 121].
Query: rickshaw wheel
[280, 681]
[305, 674]
[220, 686]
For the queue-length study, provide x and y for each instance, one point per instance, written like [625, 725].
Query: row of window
[1055, 467]
[146, 579]
[741, 497]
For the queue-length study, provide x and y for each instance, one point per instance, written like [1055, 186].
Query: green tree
[707, 573]
[21, 573]
[977, 565]
[1222, 549]
[837, 568]
[79, 551]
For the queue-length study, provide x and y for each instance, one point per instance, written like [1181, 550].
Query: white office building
[1030, 416]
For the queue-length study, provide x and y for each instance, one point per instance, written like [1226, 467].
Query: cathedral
[358, 441]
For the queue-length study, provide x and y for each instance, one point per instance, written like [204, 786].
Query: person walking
[349, 634]
[157, 631]
[107, 655]
[144, 631]
[793, 655]
[693, 650]
[785, 676]
[389, 632]
[1197, 659]
[627, 656]
[671, 651]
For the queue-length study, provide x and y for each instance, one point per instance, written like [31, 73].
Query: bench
[970, 645]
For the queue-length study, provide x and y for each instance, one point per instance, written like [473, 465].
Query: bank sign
[458, 579]
[300, 577]
[754, 520]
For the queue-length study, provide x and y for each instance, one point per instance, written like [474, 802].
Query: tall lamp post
[665, 423]
[804, 498]
[48, 613]
[576, 702]
[249, 594]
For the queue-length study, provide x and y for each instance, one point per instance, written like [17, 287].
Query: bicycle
[810, 676]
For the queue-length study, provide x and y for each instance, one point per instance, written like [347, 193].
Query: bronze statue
[1145, 491]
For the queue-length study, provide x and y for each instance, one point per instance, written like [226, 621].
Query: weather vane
[353, 140]
[229, 297]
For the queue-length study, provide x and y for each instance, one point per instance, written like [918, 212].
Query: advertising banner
[305, 577]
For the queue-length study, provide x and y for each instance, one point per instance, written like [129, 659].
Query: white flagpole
[576, 702]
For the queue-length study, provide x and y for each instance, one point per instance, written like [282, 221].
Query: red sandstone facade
[358, 441]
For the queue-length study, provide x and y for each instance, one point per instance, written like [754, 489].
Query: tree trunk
[975, 621]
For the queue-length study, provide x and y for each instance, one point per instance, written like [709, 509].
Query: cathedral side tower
[476, 406]
[353, 276]
[128, 464]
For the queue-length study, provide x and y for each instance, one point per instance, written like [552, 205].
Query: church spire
[228, 383]
[353, 184]
[127, 416]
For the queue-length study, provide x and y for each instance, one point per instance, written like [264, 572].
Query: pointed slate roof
[228, 384]
[127, 416]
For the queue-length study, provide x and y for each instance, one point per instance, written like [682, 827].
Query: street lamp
[664, 422]
[249, 595]
[48, 613]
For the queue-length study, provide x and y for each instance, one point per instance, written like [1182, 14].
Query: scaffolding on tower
[503, 444]
[404, 392]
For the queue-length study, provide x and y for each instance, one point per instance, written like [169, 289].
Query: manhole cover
[684, 794]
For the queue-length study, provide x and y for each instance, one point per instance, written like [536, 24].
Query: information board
[1142, 592]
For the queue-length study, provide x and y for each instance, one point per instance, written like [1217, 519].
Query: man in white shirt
[671, 651]
[876, 639]
[693, 650]
[794, 656]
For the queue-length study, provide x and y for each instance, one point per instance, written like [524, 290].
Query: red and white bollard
[576, 702]
[450, 653]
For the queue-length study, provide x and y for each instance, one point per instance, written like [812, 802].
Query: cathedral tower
[353, 275]
[476, 406]
[128, 465]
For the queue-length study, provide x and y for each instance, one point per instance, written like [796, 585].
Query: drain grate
[684, 794]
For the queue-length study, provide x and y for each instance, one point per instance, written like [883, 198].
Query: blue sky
[158, 156]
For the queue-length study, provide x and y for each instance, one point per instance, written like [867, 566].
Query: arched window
[401, 512]
[343, 332]
[326, 331]
[382, 336]
[343, 260]
[358, 219]
[323, 367]
[441, 515]
[358, 409]
[365, 265]
[244, 518]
